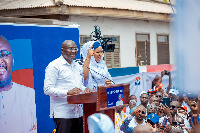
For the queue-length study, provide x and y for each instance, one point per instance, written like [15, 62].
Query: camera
[104, 41]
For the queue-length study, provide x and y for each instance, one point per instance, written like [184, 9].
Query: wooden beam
[35, 21]
[87, 11]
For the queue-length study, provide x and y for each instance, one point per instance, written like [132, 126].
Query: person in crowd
[151, 108]
[159, 95]
[178, 121]
[165, 117]
[176, 130]
[157, 82]
[144, 98]
[158, 79]
[133, 97]
[143, 129]
[17, 102]
[100, 123]
[175, 106]
[154, 100]
[135, 118]
[120, 116]
[183, 112]
[62, 78]
[131, 106]
[95, 71]
[173, 95]
[153, 121]
[194, 123]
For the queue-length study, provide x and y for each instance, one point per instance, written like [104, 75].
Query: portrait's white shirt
[61, 77]
[17, 110]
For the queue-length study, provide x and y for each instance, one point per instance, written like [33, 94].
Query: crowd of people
[160, 111]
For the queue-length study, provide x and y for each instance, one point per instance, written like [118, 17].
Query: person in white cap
[173, 95]
[100, 123]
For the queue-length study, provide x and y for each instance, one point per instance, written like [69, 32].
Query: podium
[97, 102]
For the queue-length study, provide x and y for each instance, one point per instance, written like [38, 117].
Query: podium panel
[97, 102]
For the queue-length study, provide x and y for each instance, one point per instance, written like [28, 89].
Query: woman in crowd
[95, 71]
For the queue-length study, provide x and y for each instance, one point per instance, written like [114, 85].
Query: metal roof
[138, 5]
[17, 4]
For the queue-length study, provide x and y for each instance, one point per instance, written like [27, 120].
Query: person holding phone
[158, 79]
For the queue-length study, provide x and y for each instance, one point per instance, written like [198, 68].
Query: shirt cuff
[63, 93]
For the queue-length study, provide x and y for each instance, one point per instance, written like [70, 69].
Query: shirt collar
[63, 61]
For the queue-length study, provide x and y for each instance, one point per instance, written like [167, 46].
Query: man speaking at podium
[63, 78]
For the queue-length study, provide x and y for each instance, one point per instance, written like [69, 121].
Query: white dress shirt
[60, 77]
[17, 110]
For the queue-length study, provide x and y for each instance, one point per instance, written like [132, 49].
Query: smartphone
[166, 101]
[192, 119]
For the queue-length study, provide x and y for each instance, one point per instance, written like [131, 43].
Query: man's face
[132, 104]
[144, 98]
[173, 97]
[159, 95]
[151, 108]
[68, 54]
[141, 112]
[154, 100]
[160, 111]
[6, 61]
[133, 97]
[174, 107]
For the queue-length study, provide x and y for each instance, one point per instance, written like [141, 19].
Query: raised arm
[87, 62]
[170, 82]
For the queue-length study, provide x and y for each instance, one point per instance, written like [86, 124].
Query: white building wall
[126, 29]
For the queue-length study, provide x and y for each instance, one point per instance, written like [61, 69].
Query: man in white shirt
[63, 78]
[17, 102]
[137, 117]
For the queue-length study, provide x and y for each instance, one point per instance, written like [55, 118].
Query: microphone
[82, 63]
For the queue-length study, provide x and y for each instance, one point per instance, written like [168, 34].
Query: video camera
[104, 41]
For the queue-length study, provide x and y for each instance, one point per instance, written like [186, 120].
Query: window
[112, 59]
[142, 51]
[84, 39]
[163, 49]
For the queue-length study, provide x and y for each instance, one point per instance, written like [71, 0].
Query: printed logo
[137, 81]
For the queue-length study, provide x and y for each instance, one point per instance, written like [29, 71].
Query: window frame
[162, 43]
[136, 48]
